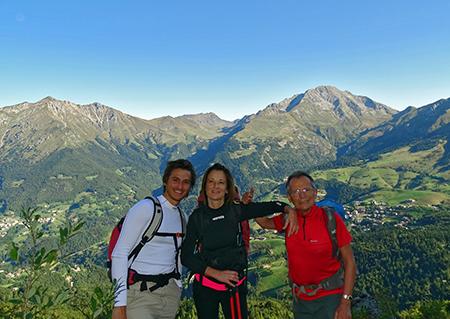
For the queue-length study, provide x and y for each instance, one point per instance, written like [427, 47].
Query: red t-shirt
[310, 250]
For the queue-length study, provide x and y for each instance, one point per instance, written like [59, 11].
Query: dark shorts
[320, 308]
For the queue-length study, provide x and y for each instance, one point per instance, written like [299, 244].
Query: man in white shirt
[157, 296]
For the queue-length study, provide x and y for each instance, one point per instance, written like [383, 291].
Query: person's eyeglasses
[304, 191]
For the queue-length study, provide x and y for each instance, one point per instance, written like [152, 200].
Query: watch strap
[347, 297]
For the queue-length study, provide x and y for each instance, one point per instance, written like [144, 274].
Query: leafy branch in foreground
[98, 305]
[35, 263]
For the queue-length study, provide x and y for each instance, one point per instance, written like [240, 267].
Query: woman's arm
[291, 221]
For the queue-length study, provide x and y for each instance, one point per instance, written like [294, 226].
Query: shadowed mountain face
[419, 128]
[55, 149]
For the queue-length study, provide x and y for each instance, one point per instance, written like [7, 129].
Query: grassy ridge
[397, 176]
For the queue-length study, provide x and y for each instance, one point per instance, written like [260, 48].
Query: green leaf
[13, 254]
[16, 301]
[78, 226]
[38, 299]
[31, 292]
[93, 303]
[38, 260]
[63, 235]
[46, 301]
[98, 291]
[58, 298]
[51, 256]
[29, 316]
[97, 313]
[66, 300]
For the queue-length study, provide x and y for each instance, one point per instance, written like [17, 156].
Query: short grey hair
[299, 174]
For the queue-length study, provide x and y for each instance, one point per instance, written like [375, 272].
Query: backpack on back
[338, 208]
[149, 233]
[337, 280]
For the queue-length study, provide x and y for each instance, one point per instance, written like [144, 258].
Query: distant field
[274, 280]
[400, 175]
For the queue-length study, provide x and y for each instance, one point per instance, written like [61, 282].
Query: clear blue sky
[153, 58]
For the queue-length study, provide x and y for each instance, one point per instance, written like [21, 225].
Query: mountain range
[52, 151]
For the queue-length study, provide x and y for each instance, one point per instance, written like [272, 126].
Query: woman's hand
[228, 277]
[291, 221]
[248, 196]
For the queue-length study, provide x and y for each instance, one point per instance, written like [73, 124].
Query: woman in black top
[213, 248]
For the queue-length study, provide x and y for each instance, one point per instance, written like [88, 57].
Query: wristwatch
[348, 297]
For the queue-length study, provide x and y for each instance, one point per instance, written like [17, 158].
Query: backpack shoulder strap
[152, 228]
[330, 219]
[183, 224]
[236, 216]
[201, 221]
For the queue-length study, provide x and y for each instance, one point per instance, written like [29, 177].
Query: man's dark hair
[231, 191]
[180, 163]
[299, 174]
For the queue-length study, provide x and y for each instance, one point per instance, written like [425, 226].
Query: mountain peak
[207, 119]
[47, 99]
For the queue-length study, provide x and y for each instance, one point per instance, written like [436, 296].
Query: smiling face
[177, 186]
[216, 188]
[302, 194]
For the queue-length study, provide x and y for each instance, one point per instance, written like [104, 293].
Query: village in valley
[367, 215]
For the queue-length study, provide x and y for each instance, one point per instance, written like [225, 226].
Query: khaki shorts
[160, 304]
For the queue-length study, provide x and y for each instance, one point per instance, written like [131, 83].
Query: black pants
[207, 301]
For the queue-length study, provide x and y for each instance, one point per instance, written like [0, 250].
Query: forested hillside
[413, 264]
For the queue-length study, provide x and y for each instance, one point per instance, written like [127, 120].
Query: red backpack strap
[114, 237]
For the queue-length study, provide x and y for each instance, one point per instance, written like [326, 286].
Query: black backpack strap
[236, 216]
[151, 230]
[332, 231]
[202, 222]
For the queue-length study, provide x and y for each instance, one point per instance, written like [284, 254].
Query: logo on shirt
[218, 217]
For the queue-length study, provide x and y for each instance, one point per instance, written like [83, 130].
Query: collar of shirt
[314, 211]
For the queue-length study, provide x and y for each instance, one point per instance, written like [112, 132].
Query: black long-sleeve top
[217, 231]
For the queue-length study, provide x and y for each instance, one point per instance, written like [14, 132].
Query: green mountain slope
[52, 150]
[302, 132]
[392, 177]
[420, 127]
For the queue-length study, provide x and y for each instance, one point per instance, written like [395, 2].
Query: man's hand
[248, 196]
[291, 221]
[343, 310]
[119, 312]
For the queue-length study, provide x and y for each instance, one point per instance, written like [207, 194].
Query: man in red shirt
[310, 253]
